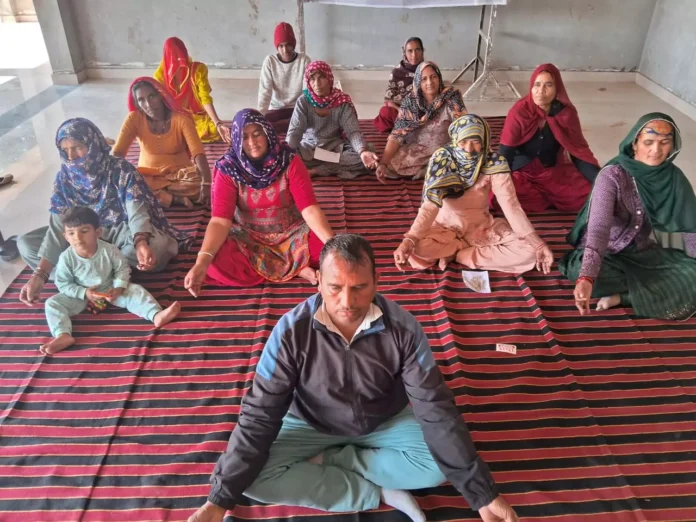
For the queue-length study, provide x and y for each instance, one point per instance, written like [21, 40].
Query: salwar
[561, 187]
[349, 166]
[413, 156]
[60, 308]
[206, 128]
[279, 119]
[48, 242]
[175, 182]
[395, 456]
[508, 254]
[657, 282]
[384, 122]
[232, 268]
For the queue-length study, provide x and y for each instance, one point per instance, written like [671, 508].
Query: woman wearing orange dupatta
[187, 82]
[172, 159]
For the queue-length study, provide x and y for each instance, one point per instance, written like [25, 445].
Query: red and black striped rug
[592, 420]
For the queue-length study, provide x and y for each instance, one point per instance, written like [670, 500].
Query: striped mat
[592, 420]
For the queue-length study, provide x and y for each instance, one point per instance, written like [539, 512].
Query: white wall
[669, 56]
[573, 34]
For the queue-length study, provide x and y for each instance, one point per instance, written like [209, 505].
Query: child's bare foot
[167, 315]
[309, 274]
[605, 303]
[61, 342]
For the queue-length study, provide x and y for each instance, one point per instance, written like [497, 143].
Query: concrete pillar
[62, 42]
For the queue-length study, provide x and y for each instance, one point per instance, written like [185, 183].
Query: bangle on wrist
[40, 272]
[585, 278]
[205, 183]
[141, 236]
[205, 253]
[406, 238]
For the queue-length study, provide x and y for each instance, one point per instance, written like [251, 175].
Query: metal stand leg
[300, 26]
[486, 78]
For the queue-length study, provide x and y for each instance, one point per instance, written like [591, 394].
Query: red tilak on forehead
[658, 128]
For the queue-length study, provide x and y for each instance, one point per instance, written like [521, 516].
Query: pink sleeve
[224, 196]
[300, 184]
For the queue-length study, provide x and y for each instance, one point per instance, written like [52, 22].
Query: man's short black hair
[78, 216]
[352, 248]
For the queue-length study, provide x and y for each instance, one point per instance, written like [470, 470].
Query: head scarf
[336, 97]
[401, 78]
[525, 116]
[452, 171]
[102, 182]
[667, 195]
[255, 174]
[177, 60]
[414, 113]
[166, 97]
[284, 33]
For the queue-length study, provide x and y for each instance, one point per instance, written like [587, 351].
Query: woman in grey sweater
[322, 116]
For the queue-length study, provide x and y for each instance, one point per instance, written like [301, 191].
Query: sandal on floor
[6, 179]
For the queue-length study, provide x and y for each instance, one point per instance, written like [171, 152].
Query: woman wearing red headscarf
[187, 82]
[172, 159]
[542, 141]
[324, 128]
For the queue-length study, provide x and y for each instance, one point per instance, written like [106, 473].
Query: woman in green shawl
[616, 258]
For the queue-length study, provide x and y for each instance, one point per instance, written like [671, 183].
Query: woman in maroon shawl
[542, 141]
[399, 85]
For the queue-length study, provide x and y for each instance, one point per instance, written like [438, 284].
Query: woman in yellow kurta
[172, 159]
[187, 82]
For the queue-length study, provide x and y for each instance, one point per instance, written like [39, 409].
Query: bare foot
[167, 315]
[444, 261]
[310, 275]
[605, 303]
[404, 502]
[61, 342]
[183, 201]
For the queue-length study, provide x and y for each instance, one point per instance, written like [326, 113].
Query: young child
[282, 77]
[91, 270]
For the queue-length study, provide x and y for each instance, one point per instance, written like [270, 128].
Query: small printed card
[477, 281]
[326, 155]
[508, 348]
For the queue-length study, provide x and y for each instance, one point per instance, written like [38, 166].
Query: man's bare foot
[310, 275]
[167, 315]
[444, 261]
[61, 342]
[605, 303]
[404, 502]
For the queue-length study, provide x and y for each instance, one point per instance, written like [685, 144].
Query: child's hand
[92, 295]
[114, 294]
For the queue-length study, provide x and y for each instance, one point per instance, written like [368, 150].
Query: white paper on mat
[410, 4]
[477, 281]
[326, 155]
